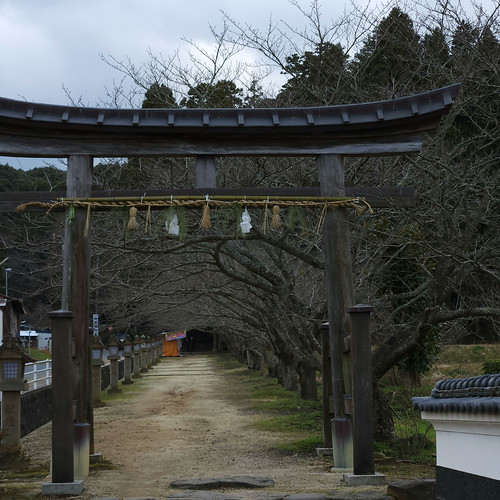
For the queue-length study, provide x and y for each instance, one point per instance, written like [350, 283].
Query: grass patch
[229, 363]
[300, 421]
[288, 405]
[16, 491]
[125, 391]
[270, 390]
[102, 465]
[295, 423]
[459, 361]
[407, 470]
[456, 354]
[304, 446]
[277, 410]
[415, 438]
[416, 448]
[40, 355]
[19, 478]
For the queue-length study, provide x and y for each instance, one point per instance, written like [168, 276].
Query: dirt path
[180, 425]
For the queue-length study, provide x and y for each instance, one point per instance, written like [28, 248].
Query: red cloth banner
[175, 336]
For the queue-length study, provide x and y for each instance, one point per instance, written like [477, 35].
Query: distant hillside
[36, 179]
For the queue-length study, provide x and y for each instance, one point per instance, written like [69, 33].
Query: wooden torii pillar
[340, 296]
[75, 297]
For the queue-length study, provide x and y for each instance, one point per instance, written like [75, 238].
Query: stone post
[144, 355]
[127, 354]
[158, 348]
[154, 350]
[113, 357]
[12, 360]
[149, 355]
[11, 421]
[137, 358]
[97, 362]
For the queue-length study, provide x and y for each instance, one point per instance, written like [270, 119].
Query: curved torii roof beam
[377, 128]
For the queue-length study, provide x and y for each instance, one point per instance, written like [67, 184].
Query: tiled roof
[479, 394]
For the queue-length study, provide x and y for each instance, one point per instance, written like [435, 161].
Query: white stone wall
[467, 442]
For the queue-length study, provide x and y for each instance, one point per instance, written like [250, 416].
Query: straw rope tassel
[276, 220]
[361, 209]
[148, 220]
[322, 217]
[132, 222]
[205, 219]
[87, 222]
[264, 224]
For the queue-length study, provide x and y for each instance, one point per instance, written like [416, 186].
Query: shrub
[491, 366]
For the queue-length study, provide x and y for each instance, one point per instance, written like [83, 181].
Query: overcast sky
[48, 44]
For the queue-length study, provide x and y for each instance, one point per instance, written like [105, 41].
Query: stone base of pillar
[324, 452]
[341, 470]
[125, 382]
[364, 479]
[74, 488]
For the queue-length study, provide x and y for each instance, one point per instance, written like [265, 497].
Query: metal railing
[38, 374]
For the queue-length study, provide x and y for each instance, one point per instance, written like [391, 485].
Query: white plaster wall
[468, 443]
[44, 341]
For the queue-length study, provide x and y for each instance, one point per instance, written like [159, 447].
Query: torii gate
[379, 128]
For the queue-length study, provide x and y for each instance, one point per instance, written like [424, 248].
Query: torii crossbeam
[386, 127]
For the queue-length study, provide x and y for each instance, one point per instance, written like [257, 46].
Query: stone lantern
[144, 355]
[160, 346]
[154, 349]
[149, 355]
[12, 361]
[137, 357]
[97, 362]
[128, 352]
[113, 356]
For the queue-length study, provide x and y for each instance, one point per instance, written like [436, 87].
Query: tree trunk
[254, 360]
[383, 424]
[287, 375]
[307, 379]
[272, 363]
